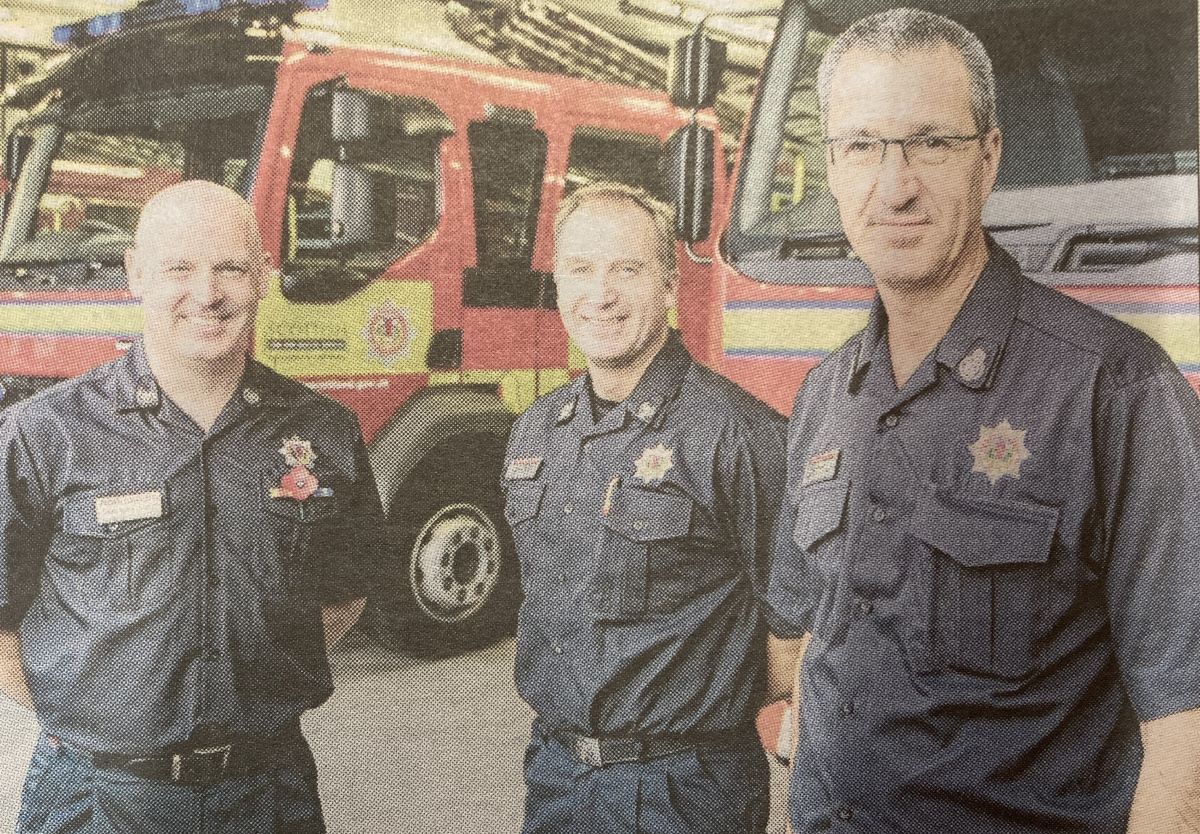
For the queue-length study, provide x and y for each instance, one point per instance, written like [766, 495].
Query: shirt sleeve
[25, 523]
[1150, 503]
[751, 489]
[349, 560]
[791, 590]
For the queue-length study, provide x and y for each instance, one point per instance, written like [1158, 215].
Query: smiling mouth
[900, 222]
[208, 322]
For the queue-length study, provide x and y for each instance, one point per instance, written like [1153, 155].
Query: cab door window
[402, 157]
[508, 163]
[605, 155]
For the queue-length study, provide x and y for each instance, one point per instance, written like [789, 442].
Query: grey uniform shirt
[199, 616]
[999, 566]
[644, 541]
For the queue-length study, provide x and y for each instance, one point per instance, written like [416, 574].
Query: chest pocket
[124, 566]
[988, 564]
[646, 561]
[522, 503]
[820, 534]
[296, 533]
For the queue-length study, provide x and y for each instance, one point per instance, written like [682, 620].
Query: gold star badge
[999, 451]
[654, 463]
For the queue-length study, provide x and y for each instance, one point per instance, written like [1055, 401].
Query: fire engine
[408, 204]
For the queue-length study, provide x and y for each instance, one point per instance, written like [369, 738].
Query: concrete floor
[397, 746]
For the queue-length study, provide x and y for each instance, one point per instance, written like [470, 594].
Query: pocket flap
[311, 509]
[820, 511]
[523, 501]
[978, 532]
[650, 516]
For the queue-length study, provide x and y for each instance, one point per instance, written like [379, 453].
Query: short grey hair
[661, 214]
[898, 31]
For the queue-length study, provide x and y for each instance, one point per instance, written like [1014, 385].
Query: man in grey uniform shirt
[183, 532]
[993, 513]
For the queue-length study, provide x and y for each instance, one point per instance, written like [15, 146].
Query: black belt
[197, 765]
[604, 750]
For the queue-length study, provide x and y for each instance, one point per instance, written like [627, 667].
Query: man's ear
[672, 290]
[993, 146]
[264, 277]
[133, 275]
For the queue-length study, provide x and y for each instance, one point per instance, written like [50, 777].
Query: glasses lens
[858, 152]
[927, 150]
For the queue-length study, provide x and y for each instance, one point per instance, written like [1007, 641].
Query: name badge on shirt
[523, 469]
[822, 467]
[111, 509]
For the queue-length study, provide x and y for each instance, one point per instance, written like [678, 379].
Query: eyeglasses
[867, 151]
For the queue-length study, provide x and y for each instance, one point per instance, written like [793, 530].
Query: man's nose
[898, 183]
[601, 289]
[207, 288]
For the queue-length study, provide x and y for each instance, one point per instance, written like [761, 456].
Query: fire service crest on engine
[999, 451]
[389, 333]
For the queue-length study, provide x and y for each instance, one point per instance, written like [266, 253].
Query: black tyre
[450, 581]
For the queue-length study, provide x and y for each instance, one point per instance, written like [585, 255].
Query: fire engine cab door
[357, 321]
[508, 293]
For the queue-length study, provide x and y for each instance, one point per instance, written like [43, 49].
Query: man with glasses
[641, 498]
[991, 529]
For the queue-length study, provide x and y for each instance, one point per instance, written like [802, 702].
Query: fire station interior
[425, 731]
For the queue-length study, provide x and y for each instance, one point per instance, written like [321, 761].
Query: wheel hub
[455, 562]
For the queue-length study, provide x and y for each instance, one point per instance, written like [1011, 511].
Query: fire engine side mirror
[351, 207]
[694, 70]
[350, 115]
[689, 158]
[14, 156]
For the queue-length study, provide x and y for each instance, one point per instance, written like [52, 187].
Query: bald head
[192, 204]
[199, 268]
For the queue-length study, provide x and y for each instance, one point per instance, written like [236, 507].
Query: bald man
[183, 534]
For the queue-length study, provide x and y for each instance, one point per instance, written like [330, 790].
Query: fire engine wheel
[450, 579]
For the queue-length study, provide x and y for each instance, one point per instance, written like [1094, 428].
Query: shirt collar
[134, 388]
[975, 342]
[659, 384]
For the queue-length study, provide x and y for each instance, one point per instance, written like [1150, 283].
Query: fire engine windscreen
[92, 167]
[1086, 93]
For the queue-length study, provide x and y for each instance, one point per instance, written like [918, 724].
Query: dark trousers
[66, 794]
[703, 791]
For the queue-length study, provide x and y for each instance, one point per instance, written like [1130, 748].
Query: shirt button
[587, 444]
[848, 709]
[557, 649]
[568, 508]
[891, 420]
[879, 514]
[639, 525]
[563, 576]
[845, 813]
[865, 608]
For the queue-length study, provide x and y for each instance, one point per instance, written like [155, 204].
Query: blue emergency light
[152, 11]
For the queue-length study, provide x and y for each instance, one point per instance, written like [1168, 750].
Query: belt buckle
[178, 760]
[588, 750]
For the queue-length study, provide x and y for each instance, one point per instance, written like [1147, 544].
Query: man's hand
[1167, 800]
[339, 618]
[12, 674]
